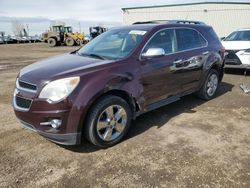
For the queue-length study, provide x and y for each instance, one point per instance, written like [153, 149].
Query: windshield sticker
[137, 32]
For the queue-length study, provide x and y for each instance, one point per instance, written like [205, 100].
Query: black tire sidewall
[94, 114]
[53, 42]
[70, 42]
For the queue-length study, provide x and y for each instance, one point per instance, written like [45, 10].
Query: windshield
[68, 29]
[113, 44]
[238, 36]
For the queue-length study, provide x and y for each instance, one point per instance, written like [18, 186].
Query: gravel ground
[190, 143]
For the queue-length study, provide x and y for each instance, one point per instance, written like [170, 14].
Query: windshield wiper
[95, 56]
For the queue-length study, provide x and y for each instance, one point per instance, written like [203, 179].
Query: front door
[159, 79]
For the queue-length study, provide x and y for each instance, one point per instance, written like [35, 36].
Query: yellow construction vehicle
[60, 34]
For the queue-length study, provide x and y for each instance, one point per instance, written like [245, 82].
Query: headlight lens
[59, 89]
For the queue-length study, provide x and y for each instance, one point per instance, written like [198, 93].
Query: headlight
[59, 89]
[244, 52]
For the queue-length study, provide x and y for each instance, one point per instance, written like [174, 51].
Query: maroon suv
[97, 90]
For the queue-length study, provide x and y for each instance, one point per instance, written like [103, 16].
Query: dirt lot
[191, 143]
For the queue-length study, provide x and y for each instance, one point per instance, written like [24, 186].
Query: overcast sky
[103, 12]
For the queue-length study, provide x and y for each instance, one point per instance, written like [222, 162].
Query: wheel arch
[214, 61]
[217, 66]
[116, 92]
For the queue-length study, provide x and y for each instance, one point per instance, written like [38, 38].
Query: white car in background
[237, 46]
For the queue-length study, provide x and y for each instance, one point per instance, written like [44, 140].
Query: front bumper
[64, 139]
[36, 115]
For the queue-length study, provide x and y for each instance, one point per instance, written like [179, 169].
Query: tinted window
[164, 39]
[213, 35]
[239, 36]
[188, 39]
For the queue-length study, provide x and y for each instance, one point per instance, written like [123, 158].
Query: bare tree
[17, 28]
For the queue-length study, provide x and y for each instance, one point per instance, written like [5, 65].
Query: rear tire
[52, 42]
[70, 41]
[210, 86]
[108, 121]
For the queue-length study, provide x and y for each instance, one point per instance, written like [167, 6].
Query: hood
[57, 66]
[236, 45]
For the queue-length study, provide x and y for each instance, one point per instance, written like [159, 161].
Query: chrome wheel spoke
[109, 112]
[208, 84]
[102, 125]
[118, 115]
[209, 91]
[108, 133]
[119, 127]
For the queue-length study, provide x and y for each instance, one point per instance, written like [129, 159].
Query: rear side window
[213, 35]
[163, 39]
[189, 39]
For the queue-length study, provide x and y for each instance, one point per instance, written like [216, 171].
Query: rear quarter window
[189, 39]
[213, 35]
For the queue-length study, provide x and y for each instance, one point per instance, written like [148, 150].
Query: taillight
[222, 52]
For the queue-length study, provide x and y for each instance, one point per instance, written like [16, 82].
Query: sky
[39, 14]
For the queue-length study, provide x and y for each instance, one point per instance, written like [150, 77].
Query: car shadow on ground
[158, 117]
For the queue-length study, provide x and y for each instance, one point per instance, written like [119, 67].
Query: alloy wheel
[111, 123]
[212, 85]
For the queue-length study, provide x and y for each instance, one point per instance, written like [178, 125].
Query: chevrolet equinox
[98, 90]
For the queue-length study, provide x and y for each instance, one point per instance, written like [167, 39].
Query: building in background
[225, 17]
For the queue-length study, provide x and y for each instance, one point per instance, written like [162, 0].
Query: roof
[244, 29]
[149, 26]
[145, 27]
[187, 4]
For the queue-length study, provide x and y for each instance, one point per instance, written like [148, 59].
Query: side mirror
[153, 52]
[222, 38]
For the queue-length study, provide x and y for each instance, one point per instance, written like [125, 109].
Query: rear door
[158, 79]
[192, 52]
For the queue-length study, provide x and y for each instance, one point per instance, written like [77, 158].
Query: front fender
[94, 87]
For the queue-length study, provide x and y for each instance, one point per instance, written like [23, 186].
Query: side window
[188, 39]
[164, 39]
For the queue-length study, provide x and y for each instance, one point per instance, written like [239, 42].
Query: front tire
[210, 86]
[70, 41]
[52, 42]
[108, 121]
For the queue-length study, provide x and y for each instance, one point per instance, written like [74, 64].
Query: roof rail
[185, 22]
[171, 22]
[146, 22]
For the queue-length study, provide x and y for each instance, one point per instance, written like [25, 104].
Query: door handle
[181, 63]
[205, 53]
[178, 63]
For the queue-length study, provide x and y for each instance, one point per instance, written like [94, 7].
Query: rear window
[189, 39]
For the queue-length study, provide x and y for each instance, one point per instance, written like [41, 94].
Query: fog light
[55, 123]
